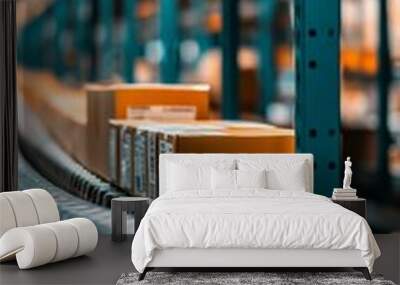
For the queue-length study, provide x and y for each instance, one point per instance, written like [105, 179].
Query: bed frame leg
[143, 274]
[364, 271]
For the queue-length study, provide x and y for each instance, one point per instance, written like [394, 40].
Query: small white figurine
[347, 174]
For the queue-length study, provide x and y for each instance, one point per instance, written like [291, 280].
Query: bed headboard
[205, 158]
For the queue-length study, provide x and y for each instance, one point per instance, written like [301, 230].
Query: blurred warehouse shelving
[64, 44]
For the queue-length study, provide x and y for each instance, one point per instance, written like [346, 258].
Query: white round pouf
[88, 235]
[26, 208]
[32, 246]
[67, 240]
[30, 230]
[7, 218]
[37, 245]
[46, 207]
[23, 208]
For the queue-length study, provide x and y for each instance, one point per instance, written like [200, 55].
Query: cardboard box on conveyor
[147, 167]
[161, 112]
[105, 102]
[121, 158]
[202, 137]
[124, 143]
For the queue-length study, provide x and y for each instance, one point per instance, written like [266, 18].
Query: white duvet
[250, 219]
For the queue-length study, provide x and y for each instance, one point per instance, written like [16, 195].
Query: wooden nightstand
[358, 206]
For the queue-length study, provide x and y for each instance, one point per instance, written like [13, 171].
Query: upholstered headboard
[204, 159]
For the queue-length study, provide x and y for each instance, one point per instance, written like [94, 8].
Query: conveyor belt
[52, 162]
[69, 205]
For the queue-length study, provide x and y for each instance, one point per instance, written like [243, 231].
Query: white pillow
[293, 180]
[223, 179]
[191, 175]
[226, 179]
[181, 177]
[251, 178]
[281, 174]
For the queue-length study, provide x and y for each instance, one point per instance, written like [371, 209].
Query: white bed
[251, 226]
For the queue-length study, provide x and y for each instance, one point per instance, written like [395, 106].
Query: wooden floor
[103, 266]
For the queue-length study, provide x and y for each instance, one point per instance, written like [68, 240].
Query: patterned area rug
[231, 278]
